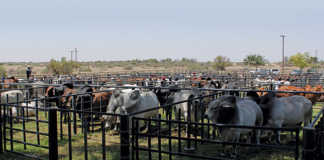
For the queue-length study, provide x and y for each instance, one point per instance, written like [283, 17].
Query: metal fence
[313, 136]
[45, 135]
[56, 133]
[171, 137]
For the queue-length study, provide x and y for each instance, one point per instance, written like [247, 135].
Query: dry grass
[19, 69]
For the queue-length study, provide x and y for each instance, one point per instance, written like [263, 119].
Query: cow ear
[135, 94]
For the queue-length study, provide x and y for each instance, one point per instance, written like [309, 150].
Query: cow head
[120, 103]
[52, 94]
[116, 100]
[222, 110]
[84, 98]
[254, 96]
[266, 99]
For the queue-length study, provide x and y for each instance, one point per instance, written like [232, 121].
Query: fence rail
[167, 137]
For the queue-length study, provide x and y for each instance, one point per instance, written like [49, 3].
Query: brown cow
[61, 96]
[8, 81]
[312, 97]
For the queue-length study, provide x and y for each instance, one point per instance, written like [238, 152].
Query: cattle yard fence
[45, 135]
[313, 136]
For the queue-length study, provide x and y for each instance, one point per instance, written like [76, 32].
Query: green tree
[62, 67]
[54, 66]
[300, 60]
[254, 60]
[3, 71]
[221, 62]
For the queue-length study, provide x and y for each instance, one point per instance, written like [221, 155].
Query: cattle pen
[48, 135]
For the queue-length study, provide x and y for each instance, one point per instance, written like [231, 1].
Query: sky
[39, 30]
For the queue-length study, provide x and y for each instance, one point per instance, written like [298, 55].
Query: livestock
[52, 94]
[61, 96]
[164, 94]
[131, 102]
[6, 83]
[235, 111]
[312, 97]
[190, 109]
[30, 107]
[285, 111]
[36, 89]
[209, 86]
[191, 105]
[231, 86]
[90, 101]
[12, 98]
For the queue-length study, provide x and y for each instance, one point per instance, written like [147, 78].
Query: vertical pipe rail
[133, 138]
[69, 135]
[159, 137]
[85, 139]
[103, 140]
[74, 116]
[188, 147]
[37, 122]
[1, 118]
[136, 139]
[179, 130]
[52, 134]
[170, 133]
[149, 140]
[309, 143]
[297, 144]
[23, 124]
[11, 132]
[124, 137]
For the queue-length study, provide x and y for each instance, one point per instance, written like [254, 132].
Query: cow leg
[257, 134]
[65, 116]
[185, 114]
[277, 132]
[236, 140]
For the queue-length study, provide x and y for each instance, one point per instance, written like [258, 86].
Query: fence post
[309, 143]
[124, 137]
[1, 142]
[52, 134]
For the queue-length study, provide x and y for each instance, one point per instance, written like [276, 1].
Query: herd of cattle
[267, 109]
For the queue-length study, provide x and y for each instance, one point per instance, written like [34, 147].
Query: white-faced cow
[192, 103]
[131, 102]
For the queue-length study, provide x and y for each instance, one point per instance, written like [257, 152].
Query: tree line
[220, 63]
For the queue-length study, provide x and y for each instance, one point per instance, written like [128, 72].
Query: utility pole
[76, 54]
[283, 52]
[71, 55]
[317, 60]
